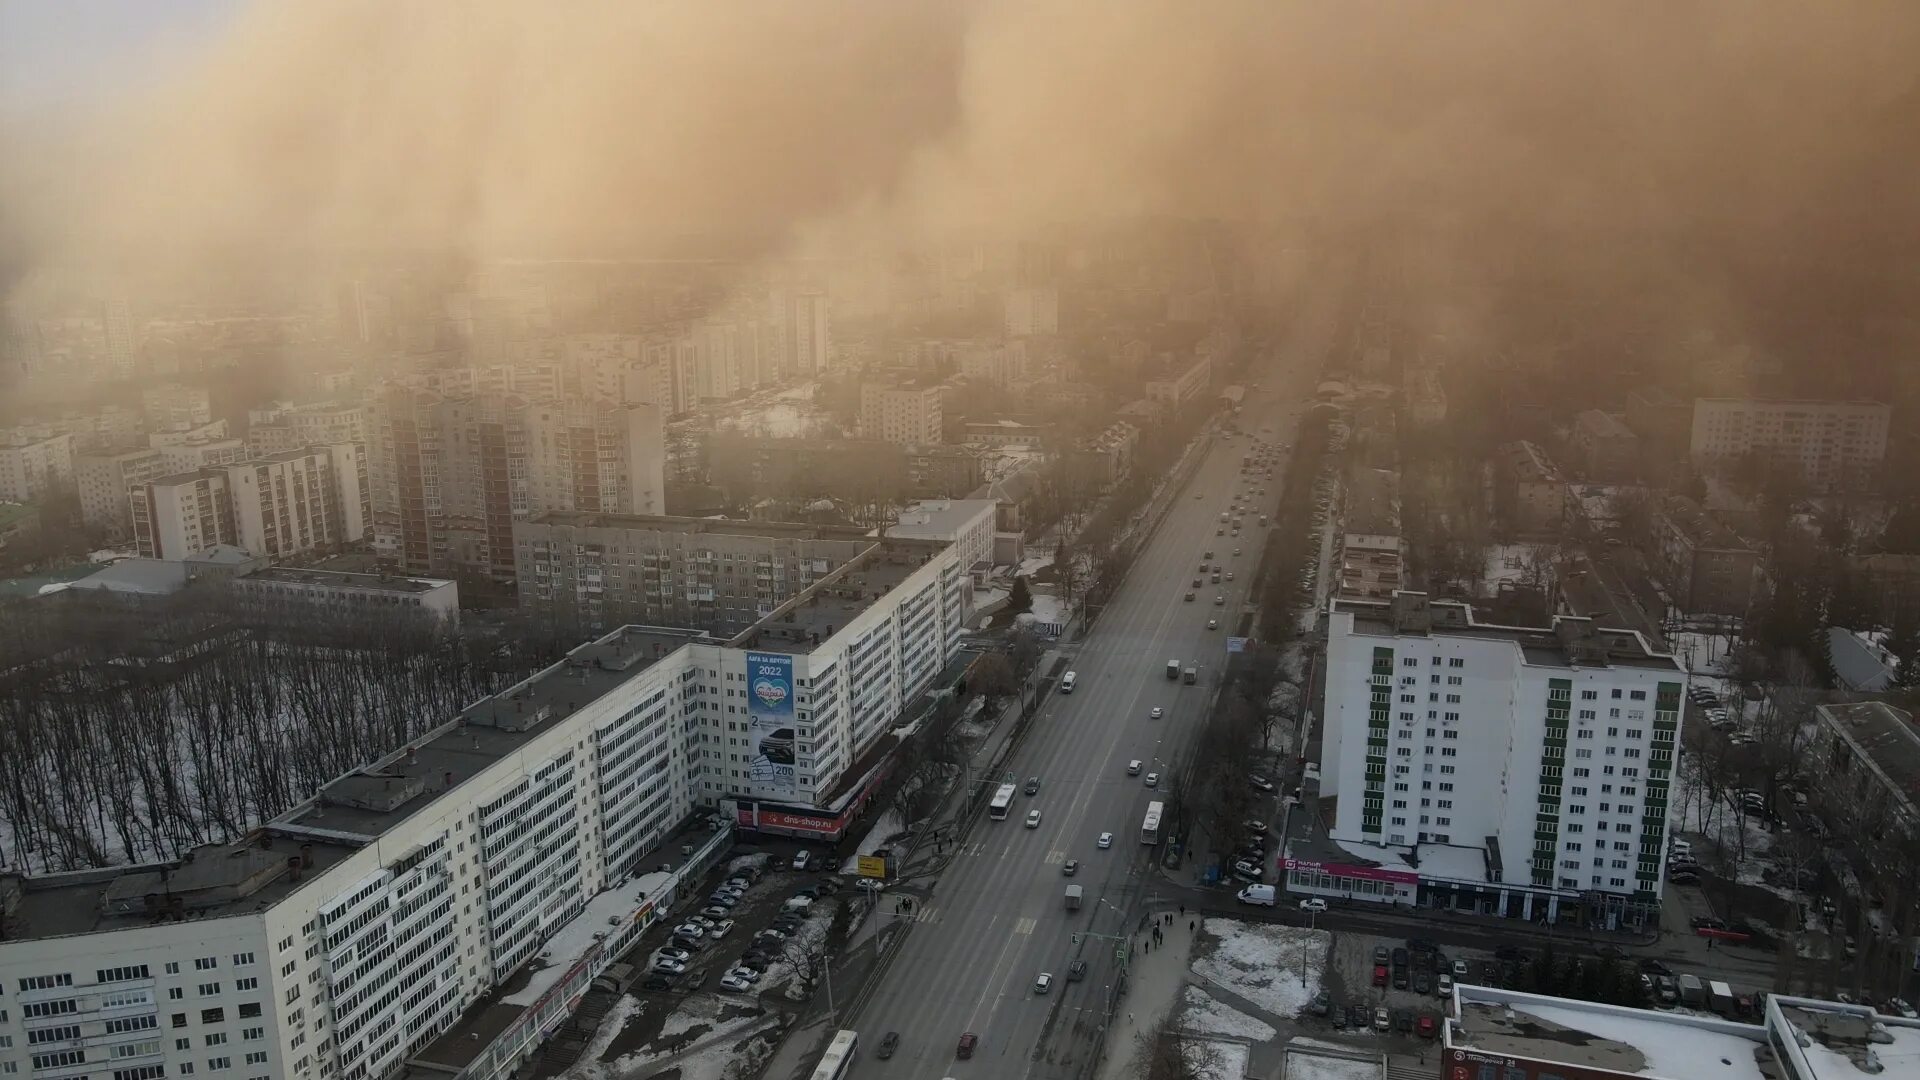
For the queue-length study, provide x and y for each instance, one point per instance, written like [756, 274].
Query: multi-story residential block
[176, 407]
[1100, 461]
[1504, 770]
[1828, 443]
[1529, 493]
[1603, 448]
[909, 413]
[1662, 423]
[105, 479]
[280, 506]
[752, 467]
[1709, 570]
[398, 918]
[111, 427]
[450, 476]
[30, 466]
[1370, 552]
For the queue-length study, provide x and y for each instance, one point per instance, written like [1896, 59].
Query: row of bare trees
[131, 732]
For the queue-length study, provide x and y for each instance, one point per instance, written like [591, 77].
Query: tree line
[133, 731]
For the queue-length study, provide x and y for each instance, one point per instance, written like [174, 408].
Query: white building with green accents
[1518, 771]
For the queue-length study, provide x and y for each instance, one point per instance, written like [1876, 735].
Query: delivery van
[1259, 895]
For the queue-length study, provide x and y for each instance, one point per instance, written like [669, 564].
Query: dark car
[1400, 978]
[1402, 1021]
[1076, 971]
[888, 1044]
[1655, 967]
[1422, 983]
[1705, 922]
[968, 1041]
[1399, 958]
[1510, 952]
[1359, 1015]
[657, 984]
[1340, 1017]
[1420, 945]
[1320, 1004]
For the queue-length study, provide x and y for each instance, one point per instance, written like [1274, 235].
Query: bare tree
[1164, 1053]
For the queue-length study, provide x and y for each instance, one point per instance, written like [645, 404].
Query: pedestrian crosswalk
[1056, 857]
[926, 913]
[1026, 926]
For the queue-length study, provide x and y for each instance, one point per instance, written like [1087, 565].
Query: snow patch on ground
[1203, 1015]
[1264, 963]
[1048, 608]
[1514, 563]
[729, 1050]
[1208, 1059]
[1304, 1063]
[889, 824]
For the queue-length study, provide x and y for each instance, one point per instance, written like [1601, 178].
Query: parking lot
[1367, 973]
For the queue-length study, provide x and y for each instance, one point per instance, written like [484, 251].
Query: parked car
[1444, 987]
[656, 983]
[668, 967]
[734, 984]
[1320, 1004]
[670, 953]
[720, 929]
[717, 911]
[1313, 904]
[1382, 1020]
[1428, 1028]
[1379, 975]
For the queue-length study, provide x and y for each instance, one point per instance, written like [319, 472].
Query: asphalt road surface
[998, 917]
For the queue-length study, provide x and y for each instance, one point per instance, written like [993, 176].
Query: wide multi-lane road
[998, 917]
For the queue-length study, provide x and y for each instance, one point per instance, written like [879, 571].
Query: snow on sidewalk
[1203, 1015]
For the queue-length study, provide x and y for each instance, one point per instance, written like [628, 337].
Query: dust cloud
[1729, 153]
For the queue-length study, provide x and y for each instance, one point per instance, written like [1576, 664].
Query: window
[44, 982]
[219, 1064]
[205, 963]
[213, 1016]
[1456, 662]
[208, 989]
[242, 959]
[217, 1038]
[122, 974]
[251, 983]
[249, 1010]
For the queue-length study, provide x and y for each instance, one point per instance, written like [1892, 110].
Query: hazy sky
[61, 50]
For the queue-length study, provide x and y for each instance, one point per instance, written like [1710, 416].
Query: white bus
[1002, 802]
[1150, 828]
[839, 1057]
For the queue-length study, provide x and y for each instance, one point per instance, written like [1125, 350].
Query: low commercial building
[1183, 381]
[444, 907]
[351, 595]
[1370, 554]
[1518, 771]
[967, 524]
[1709, 570]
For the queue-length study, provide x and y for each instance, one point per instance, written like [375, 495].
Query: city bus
[838, 1060]
[1150, 828]
[1002, 802]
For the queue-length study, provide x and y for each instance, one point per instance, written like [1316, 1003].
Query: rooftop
[938, 519]
[1373, 502]
[1885, 738]
[1570, 641]
[147, 577]
[1700, 529]
[1841, 1041]
[341, 579]
[696, 525]
[829, 604]
[1528, 462]
[1811, 403]
[1636, 1042]
[1602, 425]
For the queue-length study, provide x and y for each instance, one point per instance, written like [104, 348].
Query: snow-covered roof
[1631, 1042]
[565, 949]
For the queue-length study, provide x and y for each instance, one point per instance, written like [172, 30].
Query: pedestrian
[1183, 909]
[1129, 1018]
[1190, 926]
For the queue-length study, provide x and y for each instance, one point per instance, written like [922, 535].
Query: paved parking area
[1349, 982]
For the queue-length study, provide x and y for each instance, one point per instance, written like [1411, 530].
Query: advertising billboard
[873, 866]
[1345, 870]
[770, 729]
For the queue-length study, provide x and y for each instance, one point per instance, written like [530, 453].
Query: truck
[1191, 675]
[1720, 998]
[1692, 992]
[1074, 893]
[1173, 669]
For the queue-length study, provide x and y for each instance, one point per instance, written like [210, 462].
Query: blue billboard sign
[770, 729]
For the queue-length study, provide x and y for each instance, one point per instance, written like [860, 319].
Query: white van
[1259, 895]
[802, 859]
[1067, 681]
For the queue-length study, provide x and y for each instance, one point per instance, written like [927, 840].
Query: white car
[1105, 841]
[1033, 819]
[720, 929]
[669, 967]
[1213, 624]
[1153, 779]
[680, 955]
[1133, 767]
[1044, 983]
[746, 973]
[691, 931]
[867, 884]
[1155, 713]
[734, 984]
[1313, 903]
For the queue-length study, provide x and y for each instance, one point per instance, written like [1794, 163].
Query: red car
[965, 1049]
[1427, 1028]
[1379, 975]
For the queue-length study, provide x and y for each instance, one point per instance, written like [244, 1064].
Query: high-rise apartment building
[279, 506]
[808, 334]
[1031, 311]
[1829, 443]
[400, 915]
[176, 407]
[908, 413]
[1488, 768]
[105, 479]
[450, 476]
[29, 466]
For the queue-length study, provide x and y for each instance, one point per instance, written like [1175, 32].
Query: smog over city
[1004, 500]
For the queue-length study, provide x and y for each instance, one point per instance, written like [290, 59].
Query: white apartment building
[909, 414]
[1830, 442]
[349, 935]
[105, 479]
[278, 506]
[1504, 770]
[30, 466]
[965, 523]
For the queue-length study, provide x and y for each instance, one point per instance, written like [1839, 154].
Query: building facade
[31, 466]
[1506, 770]
[176, 407]
[451, 475]
[280, 506]
[1184, 383]
[105, 479]
[1828, 443]
[1709, 570]
[909, 414]
[1529, 493]
[352, 595]
[1603, 448]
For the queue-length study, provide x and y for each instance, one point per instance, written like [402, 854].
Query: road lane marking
[1025, 925]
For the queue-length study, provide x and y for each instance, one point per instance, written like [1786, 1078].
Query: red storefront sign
[775, 819]
[1345, 870]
